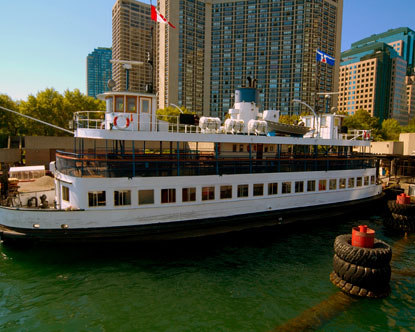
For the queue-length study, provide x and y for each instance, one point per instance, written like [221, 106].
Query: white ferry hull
[169, 221]
[166, 230]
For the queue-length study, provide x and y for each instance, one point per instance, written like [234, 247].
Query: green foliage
[289, 119]
[171, 113]
[362, 120]
[49, 106]
[390, 130]
[410, 128]
[9, 122]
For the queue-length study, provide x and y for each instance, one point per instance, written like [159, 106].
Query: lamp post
[312, 110]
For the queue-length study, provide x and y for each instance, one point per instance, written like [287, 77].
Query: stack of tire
[361, 271]
[402, 215]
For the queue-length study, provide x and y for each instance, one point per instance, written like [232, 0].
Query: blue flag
[323, 57]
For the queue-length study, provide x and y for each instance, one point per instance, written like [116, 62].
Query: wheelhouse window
[342, 183]
[119, 104]
[311, 185]
[299, 186]
[145, 196]
[225, 192]
[258, 189]
[351, 183]
[372, 179]
[273, 188]
[243, 190]
[145, 105]
[65, 194]
[332, 184]
[322, 185]
[286, 188]
[208, 193]
[122, 197]
[168, 195]
[96, 198]
[189, 194]
[366, 180]
[131, 104]
[359, 181]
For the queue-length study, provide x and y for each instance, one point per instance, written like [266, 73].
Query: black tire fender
[378, 256]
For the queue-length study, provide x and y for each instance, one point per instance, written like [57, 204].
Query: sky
[44, 43]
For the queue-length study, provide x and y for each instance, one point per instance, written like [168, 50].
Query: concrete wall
[387, 147]
[408, 140]
[10, 156]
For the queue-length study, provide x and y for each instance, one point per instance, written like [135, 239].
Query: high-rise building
[132, 30]
[219, 43]
[401, 39]
[410, 93]
[98, 71]
[373, 75]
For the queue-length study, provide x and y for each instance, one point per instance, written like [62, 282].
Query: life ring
[125, 126]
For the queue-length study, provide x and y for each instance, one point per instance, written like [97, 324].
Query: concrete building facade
[132, 30]
[410, 96]
[401, 39]
[98, 71]
[372, 78]
[219, 43]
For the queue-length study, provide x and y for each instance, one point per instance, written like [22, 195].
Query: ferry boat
[145, 178]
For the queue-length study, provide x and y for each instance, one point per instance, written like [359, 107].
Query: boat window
[359, 181]
[225, 192]
[323, 121]
[332, 184]
[311, 185]
[258, 189]
[342, 183]
[241, 148]
[122, 197]
[351, 183]
[243, 190]
[65, 193]
[119, 104]
[286, 187]
[273, 188]
[145, 196]
[366, 180]
[234, 148]
[271, 149]
[299, 186]
[96, 198]
[168, 195]
[372, 179]
[131, 104]
[322, 185]
[208, 193]
[145, 105]
[188, 194]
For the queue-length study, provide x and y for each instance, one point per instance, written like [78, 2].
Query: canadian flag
[156, 16]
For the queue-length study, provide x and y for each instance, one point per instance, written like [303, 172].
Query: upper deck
[132, 116]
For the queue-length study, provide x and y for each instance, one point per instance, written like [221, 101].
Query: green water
[254, 281]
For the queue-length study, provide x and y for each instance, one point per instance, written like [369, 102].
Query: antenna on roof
[127, 66]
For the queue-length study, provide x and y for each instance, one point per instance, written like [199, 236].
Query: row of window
[207, 193]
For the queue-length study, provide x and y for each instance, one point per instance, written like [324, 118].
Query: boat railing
[170, 123]
[188, 163]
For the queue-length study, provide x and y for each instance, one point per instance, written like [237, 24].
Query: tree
[289, 119]
[47, 106]
[391, 130]
[410, 128]
[9, 122]
[362, 120]
[171, 113]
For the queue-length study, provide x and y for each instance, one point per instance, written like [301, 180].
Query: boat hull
[182, 229]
